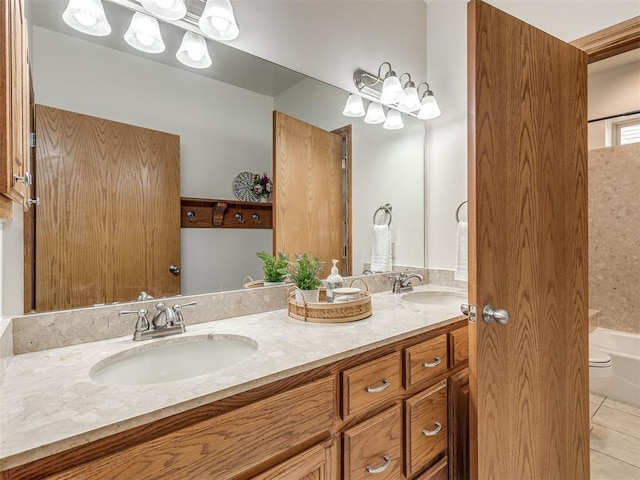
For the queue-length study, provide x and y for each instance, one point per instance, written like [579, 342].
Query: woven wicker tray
[325, 312]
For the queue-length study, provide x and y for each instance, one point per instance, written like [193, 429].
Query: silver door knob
[491, 314]
[175, 269]
[464, 308]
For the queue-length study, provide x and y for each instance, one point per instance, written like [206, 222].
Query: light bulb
[144, 39]
[165, 3]
[375, 114]
[195, 55]
[353, 107]
[393, 121]
[220, 24]
[85, 19]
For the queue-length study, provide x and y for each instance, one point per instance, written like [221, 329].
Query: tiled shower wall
[614, 236]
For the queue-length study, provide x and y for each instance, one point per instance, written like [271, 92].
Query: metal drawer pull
[383, 386]
[436, 361]
[387, 462]
[434, 432]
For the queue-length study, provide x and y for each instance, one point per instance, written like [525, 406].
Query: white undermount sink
[435, 298]
[174, 359]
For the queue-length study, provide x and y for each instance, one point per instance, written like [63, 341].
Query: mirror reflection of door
[108, 224]
[308, 211]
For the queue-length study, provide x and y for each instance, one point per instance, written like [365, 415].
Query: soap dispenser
[333, 281]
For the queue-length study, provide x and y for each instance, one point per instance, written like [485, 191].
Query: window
[626, 131]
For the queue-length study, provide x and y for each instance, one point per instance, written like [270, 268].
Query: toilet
[600, 369]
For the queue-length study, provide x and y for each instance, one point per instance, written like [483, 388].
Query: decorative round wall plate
[243, 187]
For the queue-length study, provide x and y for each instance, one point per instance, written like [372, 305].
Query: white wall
[612, 92]
[387, 167]
[447, 71]
[12, 264]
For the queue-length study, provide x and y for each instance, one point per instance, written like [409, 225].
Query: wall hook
[239, 217]
[191, 215]
[256, 218]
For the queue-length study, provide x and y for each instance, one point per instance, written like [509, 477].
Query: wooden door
[307, 200]
[108, 224]
[527, 250]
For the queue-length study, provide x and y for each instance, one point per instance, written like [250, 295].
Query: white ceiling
[230, 65]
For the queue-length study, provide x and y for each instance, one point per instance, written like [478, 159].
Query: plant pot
[310, 296]
[270, 284]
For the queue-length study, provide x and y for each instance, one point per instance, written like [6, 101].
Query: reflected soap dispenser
[333, 281]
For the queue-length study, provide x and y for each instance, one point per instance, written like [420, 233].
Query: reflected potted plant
[304, 273]
[273, 266]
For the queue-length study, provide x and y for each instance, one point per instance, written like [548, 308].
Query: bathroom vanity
[381, 396]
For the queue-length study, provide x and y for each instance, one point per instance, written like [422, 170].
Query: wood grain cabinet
[318, 463]
[373, 448]
[14, 113]
[378, 415]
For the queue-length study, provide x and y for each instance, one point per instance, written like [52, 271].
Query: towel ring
[384, 208]
[458, 211]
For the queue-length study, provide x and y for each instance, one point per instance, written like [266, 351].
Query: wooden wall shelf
[214, 213]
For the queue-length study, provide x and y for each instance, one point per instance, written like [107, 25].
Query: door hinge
[32, 139]
[344, 163]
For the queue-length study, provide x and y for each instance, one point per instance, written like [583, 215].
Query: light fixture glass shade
[393, 121]
[217, 20]
[166, 9]
[87, 16]
[429, 108]
[411, 100]
[144, 34]
[375, 114]
[392, 91]
[354, 106]
[193, 51]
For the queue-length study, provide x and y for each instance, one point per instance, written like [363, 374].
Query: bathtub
[624, 349]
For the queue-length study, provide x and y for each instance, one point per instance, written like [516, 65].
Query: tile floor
[615, 440]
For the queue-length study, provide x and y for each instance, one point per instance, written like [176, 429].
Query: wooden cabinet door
[318, 463]
[528, 250]
[108, 224]
[307, 199]
[14, 84]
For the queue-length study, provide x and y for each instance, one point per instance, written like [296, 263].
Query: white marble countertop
[48, 402]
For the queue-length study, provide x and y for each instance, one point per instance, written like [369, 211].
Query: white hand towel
[381, 250]
[462, 252]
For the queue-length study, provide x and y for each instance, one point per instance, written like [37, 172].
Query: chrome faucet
[165, 321]
[402, 282]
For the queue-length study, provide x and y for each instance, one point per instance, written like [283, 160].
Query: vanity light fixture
[87, 16]
[193, 51]
[429, 106]
[144, 34]
[392, 91]
[166, 9]
[217, 20]
[372, 87]
[375, 114]
[354, 106]
[393, 121]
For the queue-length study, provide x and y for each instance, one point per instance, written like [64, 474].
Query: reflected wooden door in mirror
[108, 225]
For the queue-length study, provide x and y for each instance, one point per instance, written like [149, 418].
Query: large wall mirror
[223, 116]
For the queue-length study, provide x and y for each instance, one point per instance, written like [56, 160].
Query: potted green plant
[273, 266]
[304, 273]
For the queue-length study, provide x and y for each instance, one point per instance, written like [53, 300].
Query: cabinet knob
[27, 179]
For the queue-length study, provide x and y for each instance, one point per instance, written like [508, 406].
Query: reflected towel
[381, 250]
[462, 253]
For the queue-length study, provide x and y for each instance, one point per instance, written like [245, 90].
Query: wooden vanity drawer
[459, 346]
[425, 360]
[375, 443]
[426, 427]
[440, 471]
[371, 384]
